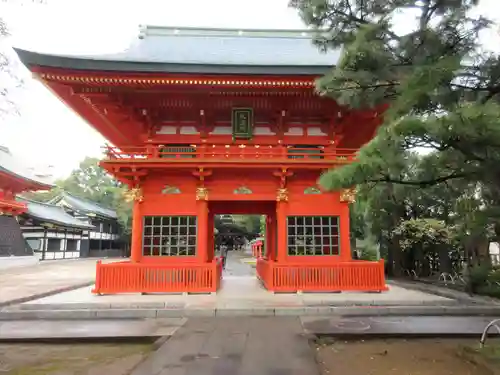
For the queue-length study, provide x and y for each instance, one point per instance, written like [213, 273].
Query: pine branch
[424, 183]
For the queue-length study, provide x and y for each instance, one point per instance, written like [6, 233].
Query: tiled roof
[195, 50]
[13, 166]
[83, 205]
[53, 214]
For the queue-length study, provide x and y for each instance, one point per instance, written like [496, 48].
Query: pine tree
[440, 87]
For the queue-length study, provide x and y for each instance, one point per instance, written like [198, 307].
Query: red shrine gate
[225, 131]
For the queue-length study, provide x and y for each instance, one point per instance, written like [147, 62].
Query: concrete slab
[33, 330]
[434, 326]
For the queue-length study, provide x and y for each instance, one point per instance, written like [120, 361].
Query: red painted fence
[128, 277]
[355, 275]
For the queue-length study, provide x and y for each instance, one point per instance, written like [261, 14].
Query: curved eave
[93, 214]
[35, 59]
[30, 183]
[59, 223]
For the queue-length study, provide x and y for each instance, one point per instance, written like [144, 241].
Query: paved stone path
[48, 277]
[234, 346]
[236, 267]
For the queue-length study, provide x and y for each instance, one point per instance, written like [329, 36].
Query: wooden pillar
[211, 237]
[271, 237]
[136, 250]
[345, 234]
[202, 240]
[281, 229]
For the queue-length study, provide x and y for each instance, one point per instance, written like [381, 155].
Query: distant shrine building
[15, 178]
[70, 227]
[206, 122]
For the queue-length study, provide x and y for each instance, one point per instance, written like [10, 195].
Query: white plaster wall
[12, 262]
[494, 248]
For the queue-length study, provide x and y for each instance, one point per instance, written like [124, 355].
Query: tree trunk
[445, 264]
[483, 252]
[395, 250]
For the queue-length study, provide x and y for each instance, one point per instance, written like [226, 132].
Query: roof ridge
[158, 30]
[88, 201]
[37, 202]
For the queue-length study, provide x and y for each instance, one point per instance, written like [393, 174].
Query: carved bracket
[168, 189]
[202, 173]
[283, 174]
[242, 190]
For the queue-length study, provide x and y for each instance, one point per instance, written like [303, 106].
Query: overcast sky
[48, 133]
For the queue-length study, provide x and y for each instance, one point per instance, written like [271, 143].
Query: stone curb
[182, 305]
[440, 291]
[51, 292]
[477, 310]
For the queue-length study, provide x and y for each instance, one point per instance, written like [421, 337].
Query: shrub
[368, 251]
[489, 290]
[478, 277]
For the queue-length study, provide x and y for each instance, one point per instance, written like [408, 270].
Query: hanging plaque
[242, 123]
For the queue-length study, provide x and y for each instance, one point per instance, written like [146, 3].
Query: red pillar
[202, 245]
[136, 248]
[211, 238]
[271, 237]
[281, 249]
[345, 234]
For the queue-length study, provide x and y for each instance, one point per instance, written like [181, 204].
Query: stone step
[112, 313]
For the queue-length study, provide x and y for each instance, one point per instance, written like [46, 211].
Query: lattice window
[177, 151]
[169, 236]
[315, 151]
[313, 235]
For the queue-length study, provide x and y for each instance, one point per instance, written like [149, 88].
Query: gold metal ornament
[348, 195]
[134, 194]
[202, 194]
[282, 195]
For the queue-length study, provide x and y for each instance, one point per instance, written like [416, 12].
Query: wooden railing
[257, 249]
[355, 275]
[231, 153]
[128, 277]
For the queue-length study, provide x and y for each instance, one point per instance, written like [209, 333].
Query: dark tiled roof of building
[13, 166]
[196, 50]
[83, 206]
[52, 214]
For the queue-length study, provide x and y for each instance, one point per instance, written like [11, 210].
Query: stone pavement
[234, 346]
[25, 283]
